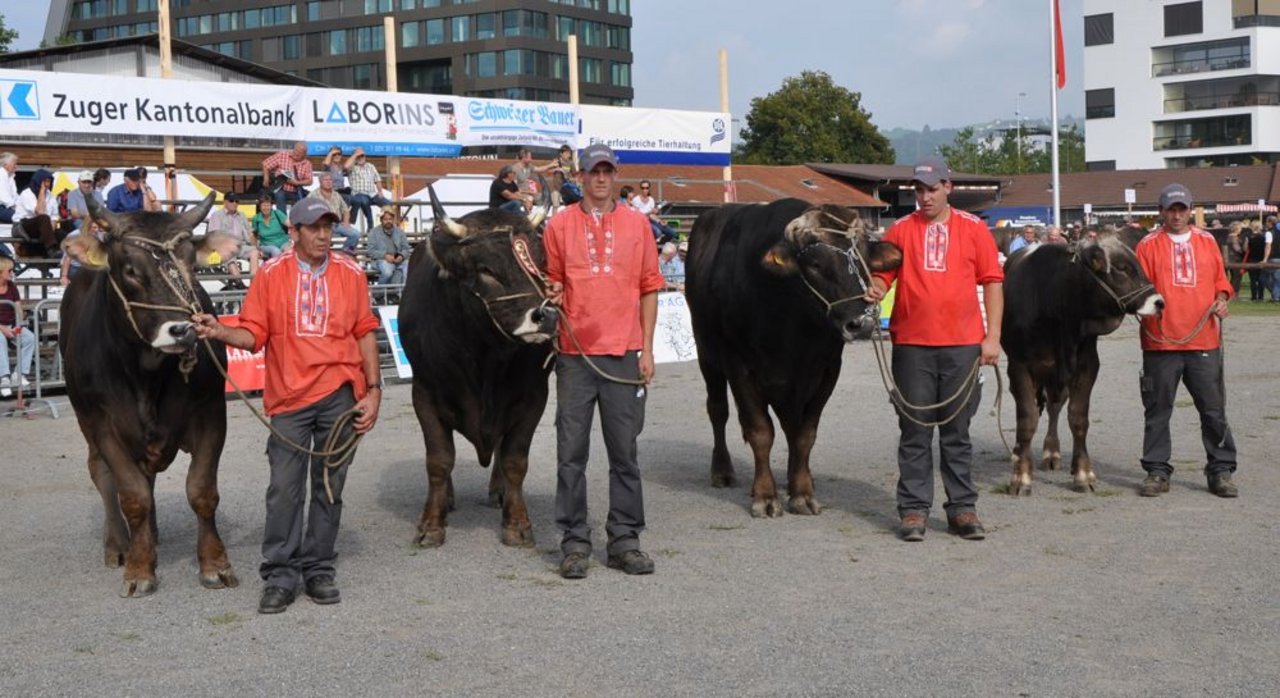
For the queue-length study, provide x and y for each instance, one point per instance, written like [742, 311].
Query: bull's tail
[1042, 398]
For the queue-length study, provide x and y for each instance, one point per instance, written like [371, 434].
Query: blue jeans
[661, 233]
[1273, 283]
[512, 207]
[351, 236]
[364, 203]
[388, 271]
[285, 198]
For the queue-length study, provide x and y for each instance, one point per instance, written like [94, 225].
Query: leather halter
[1121, 300]
[175, 277]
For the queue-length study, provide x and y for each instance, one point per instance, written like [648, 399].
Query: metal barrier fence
[42, 321]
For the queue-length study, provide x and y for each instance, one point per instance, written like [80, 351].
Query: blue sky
[916, 62]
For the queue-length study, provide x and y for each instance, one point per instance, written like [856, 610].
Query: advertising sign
[248, 369]
[658, 136]
[511, 122]
[390, 315]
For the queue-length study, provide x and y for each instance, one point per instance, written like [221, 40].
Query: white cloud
[949, 36]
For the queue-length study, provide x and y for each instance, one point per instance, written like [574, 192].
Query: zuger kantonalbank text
[144, 110]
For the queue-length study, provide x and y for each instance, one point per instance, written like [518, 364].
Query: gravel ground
[1104, 594]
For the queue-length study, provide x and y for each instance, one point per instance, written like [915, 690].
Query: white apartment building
[1172, 84]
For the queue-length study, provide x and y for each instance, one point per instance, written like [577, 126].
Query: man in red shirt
[310, 308]
[938, 334]
[1184, 343]
[295, 167]
[604, 274]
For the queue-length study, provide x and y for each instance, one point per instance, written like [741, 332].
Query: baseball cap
[597, 154]
[85, 176]
[1175, 194]
[930, 171]
[309, 211]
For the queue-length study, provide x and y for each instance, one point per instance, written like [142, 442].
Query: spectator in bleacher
[8, 186]
[1027, 237]
[12, 330]
[505, 194]
[330, 196]
[366, 186]
[644, 202]
[133, 194]
[101, 178]
[228, 220]
[334, 165]
[1053, 236]
[31, 217]
[671, 266]
[287, 173]
[390, 249]
[624, 195]
[271, 227]
[77, 204]
[526, 172]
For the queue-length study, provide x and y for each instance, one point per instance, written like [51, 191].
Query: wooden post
[166, 72]
[393, 85]
[573, 68]
[729, 194]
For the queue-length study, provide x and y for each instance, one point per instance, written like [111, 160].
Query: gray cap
[1175, 194]
[930, 171]
[309, 211]
[596, 154]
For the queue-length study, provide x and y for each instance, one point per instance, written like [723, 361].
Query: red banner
[1059, 54]
[247, 369]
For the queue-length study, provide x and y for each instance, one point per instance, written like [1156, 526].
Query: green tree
[1004, 154]
[811, 119]
[7, 35]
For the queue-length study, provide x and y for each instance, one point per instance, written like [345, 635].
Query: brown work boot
[967, 526]
[1222, 485]
[913, 527]
[1154, 486]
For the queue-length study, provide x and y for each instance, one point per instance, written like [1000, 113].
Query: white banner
[390, 315]
[509, 122]
[673, 334]
[383, 123]
[36, 102]
[652, 136]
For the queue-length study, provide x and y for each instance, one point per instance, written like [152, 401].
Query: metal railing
[1226, 101]
[1188, 142]
[1201, 65]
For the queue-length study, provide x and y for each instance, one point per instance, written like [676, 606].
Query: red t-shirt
[1189, 275]
[309, 324]
[943, 264]
[605, 264]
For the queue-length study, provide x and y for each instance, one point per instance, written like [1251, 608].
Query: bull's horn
[539, 214]
[192, 217]
[450, 226]
[100, 215]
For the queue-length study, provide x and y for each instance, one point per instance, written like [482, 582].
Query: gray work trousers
[288, 553]
[578, 390]
[1201, 372]
[927, 375]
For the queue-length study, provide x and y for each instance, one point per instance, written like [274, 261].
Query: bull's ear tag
[214, 259]
[773, 258]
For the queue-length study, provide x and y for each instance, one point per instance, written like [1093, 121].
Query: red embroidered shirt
[1189, 275]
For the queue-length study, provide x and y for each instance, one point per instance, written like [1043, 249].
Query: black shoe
[1154, 486]
[322, 590]
[631, 562]
[967, 526]
[574, 566]
[275, 600]
[1222, 486]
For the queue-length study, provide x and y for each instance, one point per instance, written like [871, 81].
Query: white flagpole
[1053, 114]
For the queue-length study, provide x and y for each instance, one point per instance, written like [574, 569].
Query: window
[461, 28]
[487, 64]
[1100, 104]
[409, 34]
[364, 76]
[1183, 18]
[589, 70]
[620, 7]
[373, 7]
[618, 37]
[1100, 166]
[369, 39]
[564, 27]
[434, 31]
[148, 6]
[620, 74]
[1255, 13]
[559, 66]
[251, 19]
[1099, 30]
[313, 11]
[486, 26]
[291, 47]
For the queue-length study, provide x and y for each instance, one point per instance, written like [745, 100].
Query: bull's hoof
[495, 499]
[768, 507]
[723, 478]
[430, 538]
[224, 578]
[1051, 461]
[1085, 484]
[1020, 485]
[518, 537]
[112, 558]
[138, 588]
[804, 505]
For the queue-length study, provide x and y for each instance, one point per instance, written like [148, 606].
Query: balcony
[1184, 104]
[1198, 65]
[1187, 143]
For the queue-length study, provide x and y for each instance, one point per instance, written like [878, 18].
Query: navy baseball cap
[309, 211]
[1175, 194]
[930, 171]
